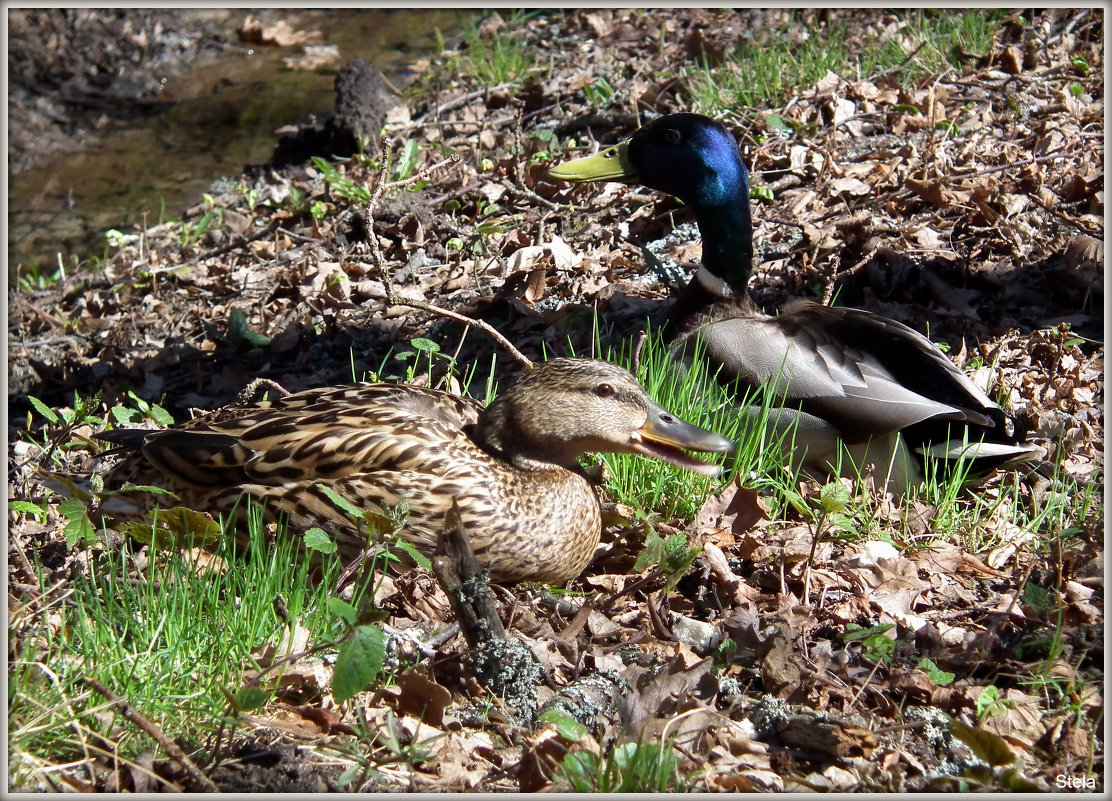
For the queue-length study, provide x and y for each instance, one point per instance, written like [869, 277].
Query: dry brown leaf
[931, 191]
[419, 695]
[735, 509]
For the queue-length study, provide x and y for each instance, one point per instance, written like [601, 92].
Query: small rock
[700, 635]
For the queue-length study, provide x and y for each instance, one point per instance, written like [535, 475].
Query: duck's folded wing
[309, 436]
[867, 378]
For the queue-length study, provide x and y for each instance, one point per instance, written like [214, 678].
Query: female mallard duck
[527, 509]
[841, 376]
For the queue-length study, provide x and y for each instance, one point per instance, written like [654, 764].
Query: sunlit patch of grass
[499, 58]
[172, 633]
[764, 71]
[694, 394]
[770, 66]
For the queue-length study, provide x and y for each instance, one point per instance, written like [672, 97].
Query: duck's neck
[721, 208]
[727, 248]
[498, 433]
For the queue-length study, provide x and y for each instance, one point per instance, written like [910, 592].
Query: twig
[828, 292]
[1061, 153]
[868, 680]
[461, 100]
[241, 242]
[642, 338]
[392, 297]
[172, 749]
[898, 67]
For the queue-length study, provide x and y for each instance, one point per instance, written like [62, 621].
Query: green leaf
[27, 508]
[566, 726]
[316, 539]
[418, 558]
[1076, 89]
[776, 123]
[79, 528]
[762, 193]
[239, 332]
[908, 109]
[43, 409]
[856, 633]
[948, 126]
[939, 677]
[249, 698]
[341, 609]
[341, 503]
[426, 345]
[161, 416]
[358, 663]
[1013, 781]
[990, 704]
[834, 497]
[988, 746]
[124, 415]
[84, 408]
[1080, 64]
[174, 527]
[326, 168]
[407, 162]
[580, 768]
[651, 552]
[129, 487]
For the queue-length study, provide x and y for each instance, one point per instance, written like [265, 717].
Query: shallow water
[221, 116]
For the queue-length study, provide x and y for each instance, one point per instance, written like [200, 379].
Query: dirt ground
[988, 235]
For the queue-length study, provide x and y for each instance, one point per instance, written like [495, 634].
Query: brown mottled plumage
[528, 511]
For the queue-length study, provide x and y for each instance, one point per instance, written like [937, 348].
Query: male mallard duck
[527, 508]
[844, 375]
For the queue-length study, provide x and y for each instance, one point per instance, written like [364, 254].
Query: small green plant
[671, 557]
[626, 768]
[143, 411]
[599, 93]
[407, 161]
[33, 278]
[989, 703]
[500, 59]
[250, 194]
[878, 646]
[428, 352]
[942, 678]
[191, 233]
[340, 185]
[61, 429]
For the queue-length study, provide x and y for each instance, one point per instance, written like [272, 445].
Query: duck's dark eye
[604, 391]
[672, 136]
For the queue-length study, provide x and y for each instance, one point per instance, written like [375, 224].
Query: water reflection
[221, 116]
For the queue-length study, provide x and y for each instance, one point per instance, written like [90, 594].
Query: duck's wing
[308, 436]
[864, 374]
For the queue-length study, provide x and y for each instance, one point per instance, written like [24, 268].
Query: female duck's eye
[604, 391]
[672, 136]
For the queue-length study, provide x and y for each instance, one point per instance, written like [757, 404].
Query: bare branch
[392, 297]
